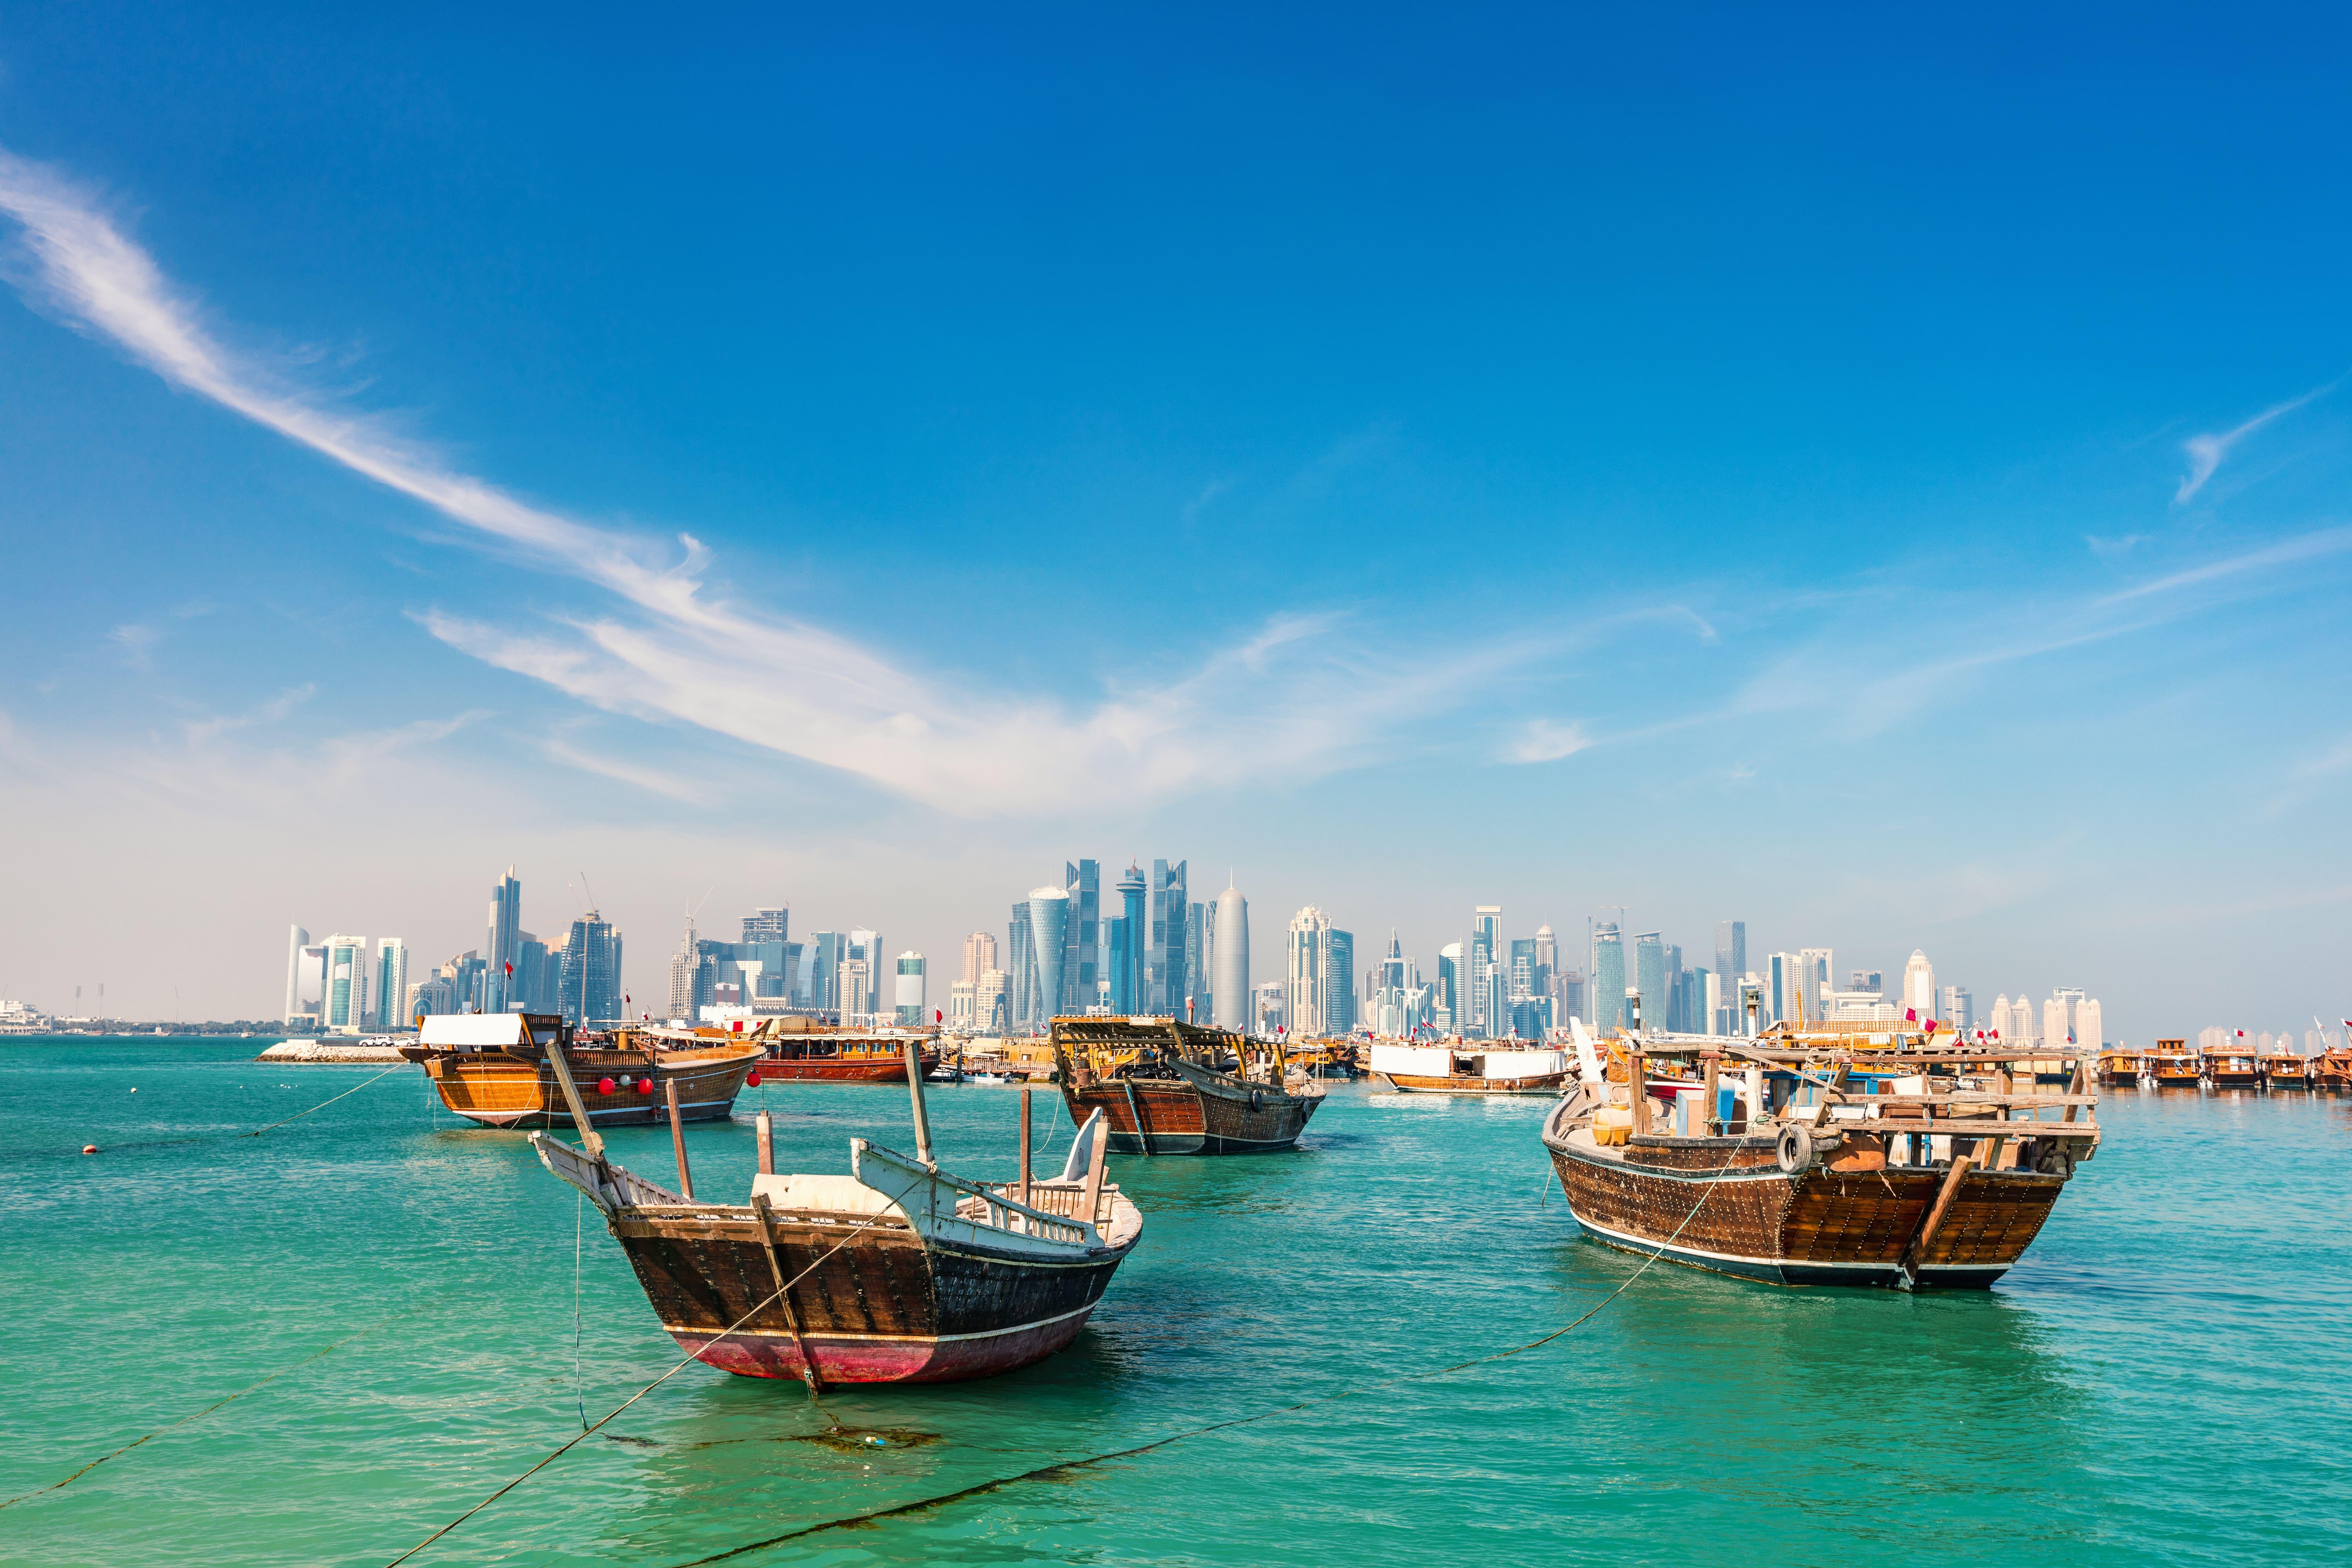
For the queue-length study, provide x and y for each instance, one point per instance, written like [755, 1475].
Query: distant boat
[499, 1068]
[2173, 1066]
[896, 1272]
[2120, 1067]
[1470, 1066]
[1167, 1088]
[2289, 1070]
[799, 1047]
[2234, 1066]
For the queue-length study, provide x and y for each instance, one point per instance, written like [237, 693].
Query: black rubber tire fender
[1796, 1148]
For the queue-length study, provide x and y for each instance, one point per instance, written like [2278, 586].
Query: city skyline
[1878, 563]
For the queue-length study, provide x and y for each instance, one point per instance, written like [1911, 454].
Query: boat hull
[1414, 1083]
[1197, 1112]
[520, 1092]
[1726, 1205]
[871, 1306]
[844, 1070]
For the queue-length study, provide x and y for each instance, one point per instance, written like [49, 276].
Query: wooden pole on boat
[1086, 1205]
[914, 1054]
[1917, 1250]
[767, 1143]
[678, 1140]
[1637, 1089]
[1713, 1061]
[1024, 1145]
[590, 1139]
[783, 1291]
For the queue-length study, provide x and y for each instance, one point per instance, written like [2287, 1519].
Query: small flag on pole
[1910, 1015]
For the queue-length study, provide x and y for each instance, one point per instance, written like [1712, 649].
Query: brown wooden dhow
[2235, 1065]
[2120, 1067]
[1166, 1088]
[2289, 1070]
[499, 1070]
[897, 1272]
[2173, 1066]
[1786, 1167]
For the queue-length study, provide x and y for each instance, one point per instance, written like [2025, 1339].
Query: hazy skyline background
[1877, 478]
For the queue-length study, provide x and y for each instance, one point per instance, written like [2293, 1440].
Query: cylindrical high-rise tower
[1049, 920]
[1231, 987]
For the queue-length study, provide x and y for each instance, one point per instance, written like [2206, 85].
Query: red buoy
[754, 1078]
[604, 1085]
[645, 1085]
[89, 1148]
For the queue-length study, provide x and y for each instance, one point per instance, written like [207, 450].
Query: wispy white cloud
[200, 730]
[135, 642]
[2119, 545]
[2206, 452]
[653, 781]
[1545, 741]
[2303, 547]
[1292, 702]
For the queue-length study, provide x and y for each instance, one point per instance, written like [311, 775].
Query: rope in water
[215, 1404]
[1061, 1466]
[632, 1399]
[324, 1103]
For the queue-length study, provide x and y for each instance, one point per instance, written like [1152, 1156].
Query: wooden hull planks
[1815, 1226]
[508, 1092]
[1172, 1116]
[884, 1308]
[1414, 1083]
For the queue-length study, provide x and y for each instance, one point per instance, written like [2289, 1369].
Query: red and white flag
[1910, 1015]
[2242, 1033]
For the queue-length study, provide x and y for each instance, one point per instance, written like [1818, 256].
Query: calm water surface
[2163, 1381]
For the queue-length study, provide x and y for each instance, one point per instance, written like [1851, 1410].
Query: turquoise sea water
[2164, 1379]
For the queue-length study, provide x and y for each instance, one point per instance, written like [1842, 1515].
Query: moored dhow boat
[2332, 1068]
[2234, 1066]
[2120, 1067]
[1470, 1066]
[1167, 1088]
[2173, 1066]
[1819, 1161]
[897, 1272]
[2288, 1069]
[801, 1048]
[501, 1070]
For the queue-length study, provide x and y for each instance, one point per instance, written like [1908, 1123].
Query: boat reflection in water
[897, 1272]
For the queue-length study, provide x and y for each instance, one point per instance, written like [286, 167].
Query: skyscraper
[1919, 984]
[685, 976]
[910, 1004]
[1231, 960]
[390, 983]
[979, 955]
[991, 1011]
[295, 943]
[769, 925]
[344, 1006]
[1082, 880]
[505, 937]
[1650, 978]
[1021, 977]
[962, 999]
[1165, 983]
[1049, 926]
[1607, 978]
[588, 980]
[1786, 981]
[1959, 1007]
[1489, 1002]
[1307, 967]
[1820, 970]
[1340, 982]
[1731, 949]
[1129, 988]
[1449, 988]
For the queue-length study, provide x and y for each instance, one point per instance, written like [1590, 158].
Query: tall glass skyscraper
[1049, 928]
[1082, 880]
[1449, 986]
[1650, 978]
[588, 980]
[1128, 992]
[504, 947]
[1608, 976]
[1231, 989]
[1165, 982]
[1339, 998]
[1021, 980]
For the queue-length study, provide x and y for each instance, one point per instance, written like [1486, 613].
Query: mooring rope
[586, 1432]
[1061, 1466]
[324, 1103]
[215, 1404]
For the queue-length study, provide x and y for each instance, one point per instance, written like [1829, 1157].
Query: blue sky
[1880, 479]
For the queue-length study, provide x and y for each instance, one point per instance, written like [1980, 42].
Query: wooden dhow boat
[2332, 1068]
[896, 1272]
[1168, 1087]
[803, 1048]
[2173, 1066]
[1835, 1160]
[2234, 1066]
[501, 1070]
[1470, 1066]
[2289, 1070]
[2120, 1067]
